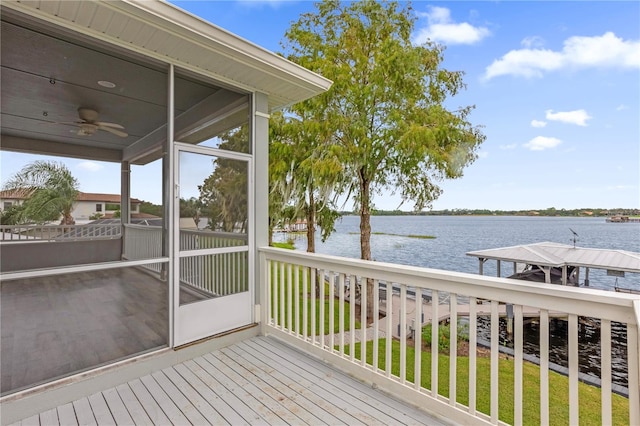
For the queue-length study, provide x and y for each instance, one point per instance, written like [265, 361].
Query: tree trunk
[311, 224]
[365, 240]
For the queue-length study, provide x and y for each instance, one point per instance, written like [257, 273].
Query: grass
[286, 245]
[319, 305]
[589, 396]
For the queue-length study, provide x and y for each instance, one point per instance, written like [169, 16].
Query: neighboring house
[87, 204]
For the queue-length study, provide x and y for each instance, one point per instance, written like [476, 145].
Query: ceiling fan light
[107, 84]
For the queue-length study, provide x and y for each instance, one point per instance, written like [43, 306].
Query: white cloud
[538, 123]
[533, 41]
[441, 28]
[540, 143]
[510, 146]
[578, 52]
[622, 107]
[578, 117]
[90, 166]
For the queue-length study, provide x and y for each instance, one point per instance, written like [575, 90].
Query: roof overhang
[160, 30]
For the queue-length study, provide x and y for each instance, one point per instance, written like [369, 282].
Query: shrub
[444, 335]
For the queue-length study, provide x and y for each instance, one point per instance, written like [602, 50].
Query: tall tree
[50, 191]
[386, 109]
[303, 170]
[224, 193]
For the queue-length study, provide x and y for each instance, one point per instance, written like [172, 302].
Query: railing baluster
[321, 307]
[364, 283]
[296, 295]
[633, 361]
[352, 317]
[544, 367]
[376, 315]
[473, 349]
[281, 296]
[332, 310]
[389, 330]
[435, 319]
[453, 348]
[403, 333]
[605, 370]
[518, 353]
[417, 341]
[289, 298]
[495, 337]
[314, 288]
[269, 300]
[341, 283]
[305, 302]
[573, 369]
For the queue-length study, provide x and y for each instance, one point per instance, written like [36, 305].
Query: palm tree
[50, 191]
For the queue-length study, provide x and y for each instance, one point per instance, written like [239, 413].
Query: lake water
[457, 235]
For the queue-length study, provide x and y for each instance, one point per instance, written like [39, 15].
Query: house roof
[107, 198]
[82, 196]
[558, 255]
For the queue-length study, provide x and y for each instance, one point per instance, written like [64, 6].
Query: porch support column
[125, 192]
[168, 200]
[125, 203]
[260, 118]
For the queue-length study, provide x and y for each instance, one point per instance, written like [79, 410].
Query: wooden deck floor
[257, 381]
[58, 325]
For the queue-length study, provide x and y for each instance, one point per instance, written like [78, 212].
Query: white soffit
[167, 33]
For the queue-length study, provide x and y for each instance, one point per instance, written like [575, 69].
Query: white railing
[21, 233]
[143, 242]
[215, 274]
[301, 307]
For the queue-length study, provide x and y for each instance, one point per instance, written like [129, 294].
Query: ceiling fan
[89, 124]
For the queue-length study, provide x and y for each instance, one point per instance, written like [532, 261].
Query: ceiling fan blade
[114, 131]
[112, 125]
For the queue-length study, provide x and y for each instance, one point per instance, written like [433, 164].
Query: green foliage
[223, 195]
[303, 174]
[444, 335]
[95, 216]
[287, 245]
[50, 192]
[150, 208]
[383, 118]
[11, 215]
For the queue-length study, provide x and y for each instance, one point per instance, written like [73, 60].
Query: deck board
[259, 381]
[118, 410]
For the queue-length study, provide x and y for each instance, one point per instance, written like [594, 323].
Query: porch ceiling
[54, 53]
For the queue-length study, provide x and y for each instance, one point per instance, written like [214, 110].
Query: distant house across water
[87, 204]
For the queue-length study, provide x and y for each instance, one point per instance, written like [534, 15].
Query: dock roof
[558, 255]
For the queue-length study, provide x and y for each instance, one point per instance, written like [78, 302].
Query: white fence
[216, 274]
[21, 233]
[302, 308]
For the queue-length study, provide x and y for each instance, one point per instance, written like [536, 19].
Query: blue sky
[556, 87]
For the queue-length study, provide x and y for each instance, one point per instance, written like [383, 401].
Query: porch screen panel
[213, 237]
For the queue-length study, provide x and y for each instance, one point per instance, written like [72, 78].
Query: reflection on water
[589, 348]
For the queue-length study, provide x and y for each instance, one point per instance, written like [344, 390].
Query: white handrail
[337, 345]
[22, 233]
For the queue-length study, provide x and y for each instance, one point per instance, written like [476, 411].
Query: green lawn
[299, 295]
[589, 396]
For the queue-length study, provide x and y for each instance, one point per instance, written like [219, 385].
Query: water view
[395, 239]
[457, 235]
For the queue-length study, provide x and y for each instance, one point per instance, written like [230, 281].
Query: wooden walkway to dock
[258, 381]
